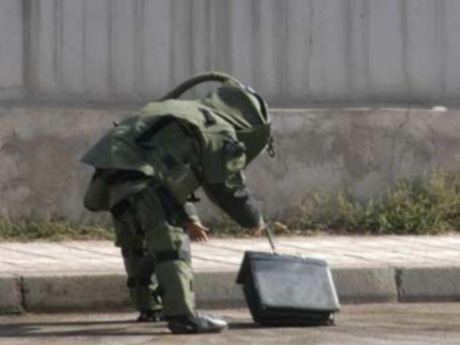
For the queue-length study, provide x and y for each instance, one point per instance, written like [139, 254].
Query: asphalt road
[408, 324]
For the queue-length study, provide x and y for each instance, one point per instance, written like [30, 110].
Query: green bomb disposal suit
[149, 165]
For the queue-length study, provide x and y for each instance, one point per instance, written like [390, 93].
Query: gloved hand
[255, 232]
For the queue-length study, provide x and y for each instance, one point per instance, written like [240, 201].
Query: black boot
[150, 316]
[201, 323]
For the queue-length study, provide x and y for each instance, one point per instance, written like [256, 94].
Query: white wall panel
[11, 52]
[296, 52]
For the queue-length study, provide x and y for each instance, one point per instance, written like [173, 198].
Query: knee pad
[184, 253]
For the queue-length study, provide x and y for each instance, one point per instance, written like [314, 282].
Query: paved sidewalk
[90, 275]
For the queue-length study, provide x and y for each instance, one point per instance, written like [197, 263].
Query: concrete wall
[11, 52]
[364, 150]
[295, 52]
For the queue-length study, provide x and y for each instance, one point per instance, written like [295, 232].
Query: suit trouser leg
[140, 268]
[169, 246]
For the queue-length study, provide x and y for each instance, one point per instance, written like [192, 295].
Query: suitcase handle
[270, 238]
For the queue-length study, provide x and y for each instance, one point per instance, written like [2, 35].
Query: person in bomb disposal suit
[147, 168]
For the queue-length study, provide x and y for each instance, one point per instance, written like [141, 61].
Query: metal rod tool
[270, 238]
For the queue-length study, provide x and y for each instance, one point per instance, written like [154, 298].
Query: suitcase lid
[252, 255]
[288, 281]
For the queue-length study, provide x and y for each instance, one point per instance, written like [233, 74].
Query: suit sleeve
[191, 212]
[238, 204]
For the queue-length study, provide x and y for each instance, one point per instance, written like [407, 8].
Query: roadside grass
[50, 229]
[420, 206]
[427, 205]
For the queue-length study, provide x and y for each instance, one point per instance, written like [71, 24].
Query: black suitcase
[286, 290]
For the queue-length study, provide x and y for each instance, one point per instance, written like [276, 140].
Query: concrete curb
[428, 284]
[74, 292]
[365, 285]
[87, 291]
[10, 294]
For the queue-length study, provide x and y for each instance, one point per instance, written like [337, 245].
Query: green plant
[50, 229]
[426, 205]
